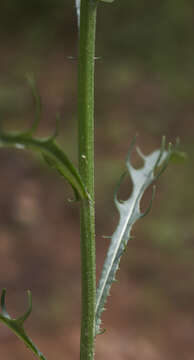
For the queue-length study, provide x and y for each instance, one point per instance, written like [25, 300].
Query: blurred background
[144, 85]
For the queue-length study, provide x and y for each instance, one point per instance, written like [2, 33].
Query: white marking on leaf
[130, 212]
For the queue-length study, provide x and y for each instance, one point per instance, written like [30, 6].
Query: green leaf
[16, 325]
[48, 147]
[129, 211]
[37, 101]
[52, 152]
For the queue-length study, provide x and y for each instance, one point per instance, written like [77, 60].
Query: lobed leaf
[52, 153]
[48, 147]
[16, 325]
[129, 211]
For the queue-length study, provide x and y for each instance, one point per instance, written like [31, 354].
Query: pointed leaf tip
[52, 153]
[131, 147]
[16, 325]
[24, 317]
[37, 102]
[3, 306]
[3, 293]
[117, 202]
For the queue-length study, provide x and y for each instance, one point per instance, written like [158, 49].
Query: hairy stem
[86, 167]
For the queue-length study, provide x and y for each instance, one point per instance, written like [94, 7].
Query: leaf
[16, 325]
[48, 147]
[51, 151]
[37, 101]
[129, 211]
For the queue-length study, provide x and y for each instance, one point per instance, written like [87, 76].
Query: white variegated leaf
[129, 212]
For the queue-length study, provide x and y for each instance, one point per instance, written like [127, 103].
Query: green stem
[86, 167]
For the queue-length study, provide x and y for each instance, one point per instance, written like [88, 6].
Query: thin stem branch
[86, 167]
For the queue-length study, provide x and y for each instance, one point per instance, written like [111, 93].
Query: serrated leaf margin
[129, 211]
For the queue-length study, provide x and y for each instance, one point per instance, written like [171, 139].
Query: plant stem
[86, 167]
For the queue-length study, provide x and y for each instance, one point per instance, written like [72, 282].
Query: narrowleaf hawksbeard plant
[82, 182]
